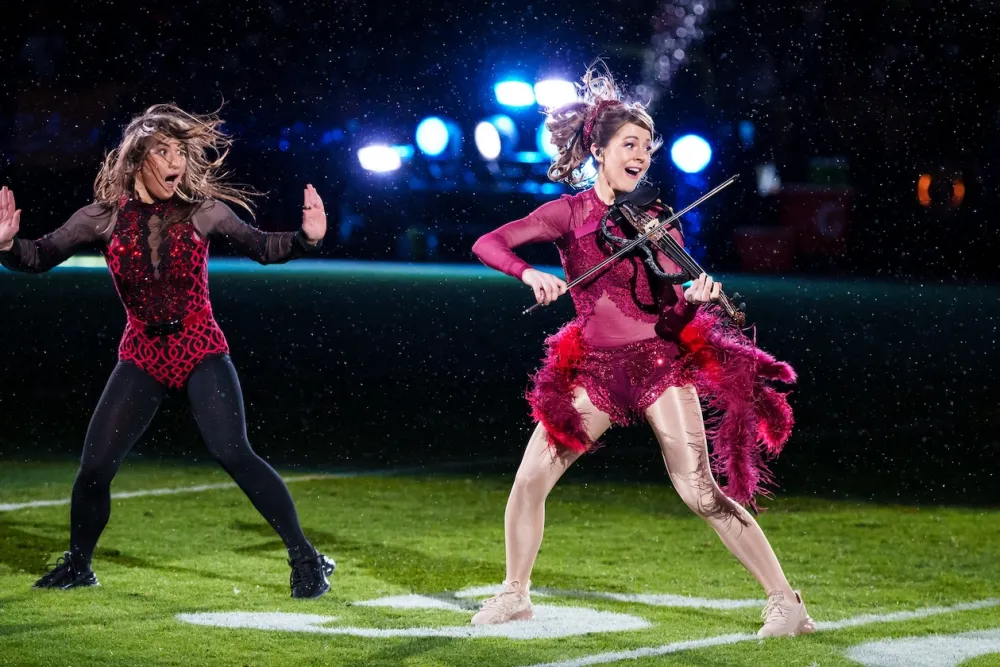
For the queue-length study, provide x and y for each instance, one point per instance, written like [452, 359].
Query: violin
[629, 212]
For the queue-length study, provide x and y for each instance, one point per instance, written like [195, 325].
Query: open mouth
[172, 179]
[634, 172]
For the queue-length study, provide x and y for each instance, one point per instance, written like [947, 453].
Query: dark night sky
[915, 73]
[898, 87]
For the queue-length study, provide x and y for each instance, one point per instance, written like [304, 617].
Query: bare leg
[676, 419]
[539, 471]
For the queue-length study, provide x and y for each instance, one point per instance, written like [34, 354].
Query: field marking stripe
[867, 619]
[651, 599]
[385, 472]
[722, 640]
[13, 507]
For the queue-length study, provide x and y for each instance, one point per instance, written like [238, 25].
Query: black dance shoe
[68, 572]
[309, 575]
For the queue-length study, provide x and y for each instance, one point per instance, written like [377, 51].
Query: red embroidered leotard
[616, 307]
[160, 272]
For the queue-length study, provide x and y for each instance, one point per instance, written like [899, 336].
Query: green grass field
[167, 561]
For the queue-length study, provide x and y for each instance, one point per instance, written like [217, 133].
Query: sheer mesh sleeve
[215, 219]
[87, 228]
[546, 223]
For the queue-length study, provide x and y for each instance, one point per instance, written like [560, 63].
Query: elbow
[267, 259]
[24, 268]
[480, 247]
[264, 255]
[43, 267]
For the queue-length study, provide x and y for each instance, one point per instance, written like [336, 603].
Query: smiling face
[163, 168]
[625, 158]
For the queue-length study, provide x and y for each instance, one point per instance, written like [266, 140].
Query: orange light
[924, 189]
[957, 192]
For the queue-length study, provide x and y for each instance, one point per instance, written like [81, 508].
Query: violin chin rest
[641, 197]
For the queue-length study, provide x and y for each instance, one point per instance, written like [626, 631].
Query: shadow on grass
[24, 549]
[414, 570]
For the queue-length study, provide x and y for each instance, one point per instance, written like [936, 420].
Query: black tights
[127, 406]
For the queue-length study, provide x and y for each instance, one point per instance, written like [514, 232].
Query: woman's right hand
[547, 287]
[10, 219]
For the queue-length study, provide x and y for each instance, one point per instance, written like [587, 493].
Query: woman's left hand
[313, 216]
[703, 290]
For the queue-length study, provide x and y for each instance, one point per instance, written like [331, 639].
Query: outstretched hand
[313, 216]
[10, 219]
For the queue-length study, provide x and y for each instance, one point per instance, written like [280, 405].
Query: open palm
[313, 216]
[10, 218]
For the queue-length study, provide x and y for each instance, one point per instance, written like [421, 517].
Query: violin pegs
[742, 307]
[737, 296]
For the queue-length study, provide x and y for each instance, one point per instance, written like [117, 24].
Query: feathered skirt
[747, 421]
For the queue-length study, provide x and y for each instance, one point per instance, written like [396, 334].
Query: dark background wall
[357, 368]
[894, 337]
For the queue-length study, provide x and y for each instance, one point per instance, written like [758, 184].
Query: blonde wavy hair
[566, 123]
[206, 147]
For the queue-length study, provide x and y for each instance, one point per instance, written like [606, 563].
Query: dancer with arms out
[159, 202]
[639, 348]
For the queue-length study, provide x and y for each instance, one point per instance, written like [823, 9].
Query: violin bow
[641, 238]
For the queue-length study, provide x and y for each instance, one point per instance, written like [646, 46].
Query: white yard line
[548, 623]
[868, 619]
[14, 507]
[652, 599]
[930, 651]
[721, 640]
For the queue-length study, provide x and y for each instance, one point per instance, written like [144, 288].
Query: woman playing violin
[640, 348]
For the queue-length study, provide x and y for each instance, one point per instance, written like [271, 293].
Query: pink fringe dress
[635, 336]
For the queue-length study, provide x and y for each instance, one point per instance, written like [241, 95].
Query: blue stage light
[380, 158]
[487, 140]
[495, 136]
[432, 136]
[514, 93]
[691, 153]
[552, 93]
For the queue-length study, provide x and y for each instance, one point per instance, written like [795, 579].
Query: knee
[690, 496]
[234, 457]
[529, 487]
[707, 501]
[95, 475]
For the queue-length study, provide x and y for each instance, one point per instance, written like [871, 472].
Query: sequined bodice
[620, 300]
[621, 304]
[161, 272]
